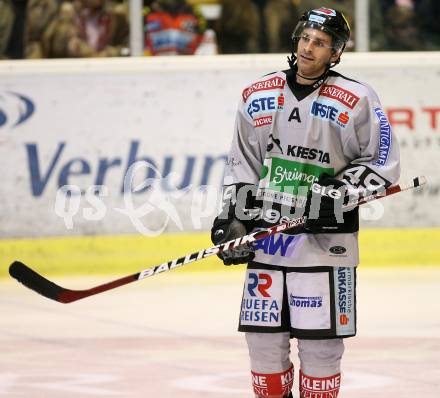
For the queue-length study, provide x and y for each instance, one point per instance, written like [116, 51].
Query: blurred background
[32, 29]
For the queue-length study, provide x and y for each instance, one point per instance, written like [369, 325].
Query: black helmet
[326, 20]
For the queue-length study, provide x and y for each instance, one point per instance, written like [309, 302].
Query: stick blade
[29, 278]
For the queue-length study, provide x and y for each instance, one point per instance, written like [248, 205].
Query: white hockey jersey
[287, 135]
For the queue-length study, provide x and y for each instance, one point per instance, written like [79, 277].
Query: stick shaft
[264, 233]
[38, 283]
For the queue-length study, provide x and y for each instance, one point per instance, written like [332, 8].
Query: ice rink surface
[174, 335]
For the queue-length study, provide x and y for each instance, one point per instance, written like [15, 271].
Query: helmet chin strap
[314, 79]
[294, 64]
[310, 78]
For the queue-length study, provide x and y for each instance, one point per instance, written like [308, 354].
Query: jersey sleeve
[372, 148]
[242, 172]
[245, 159]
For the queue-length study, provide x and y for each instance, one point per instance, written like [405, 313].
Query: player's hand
[227, 231]
[324, 207]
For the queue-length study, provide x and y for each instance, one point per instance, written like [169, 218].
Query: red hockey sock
[273, 384]
[319, 387]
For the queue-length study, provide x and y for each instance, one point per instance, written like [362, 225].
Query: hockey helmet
[326, 20]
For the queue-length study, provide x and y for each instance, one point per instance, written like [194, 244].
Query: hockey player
[305, 139]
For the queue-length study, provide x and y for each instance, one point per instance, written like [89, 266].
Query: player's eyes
[305, 38]
[318, 43]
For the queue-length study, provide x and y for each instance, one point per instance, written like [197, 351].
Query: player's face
[314, 53]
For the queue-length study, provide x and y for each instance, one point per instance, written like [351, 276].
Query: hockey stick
[45, 287]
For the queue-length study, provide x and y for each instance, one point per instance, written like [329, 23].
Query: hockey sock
[273, 384]
[319, 387]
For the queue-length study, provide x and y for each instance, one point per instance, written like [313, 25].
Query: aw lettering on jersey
[274, 245]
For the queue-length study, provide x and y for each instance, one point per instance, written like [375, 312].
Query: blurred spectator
[237, 27]
[208, 45]
[275, 25]
[402, 28]
[428, 15]
[377, 29]
[172, 27]
[87, 28]
[62, 37]
[6, 22]
[251, 26]
[40, 13]
[104, 27]
[12, 26]
[97, 28]
[347, 7]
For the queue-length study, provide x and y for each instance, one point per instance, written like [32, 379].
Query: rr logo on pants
[255, 282]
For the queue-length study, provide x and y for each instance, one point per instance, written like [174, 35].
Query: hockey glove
[324, 208]
[228, 230]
